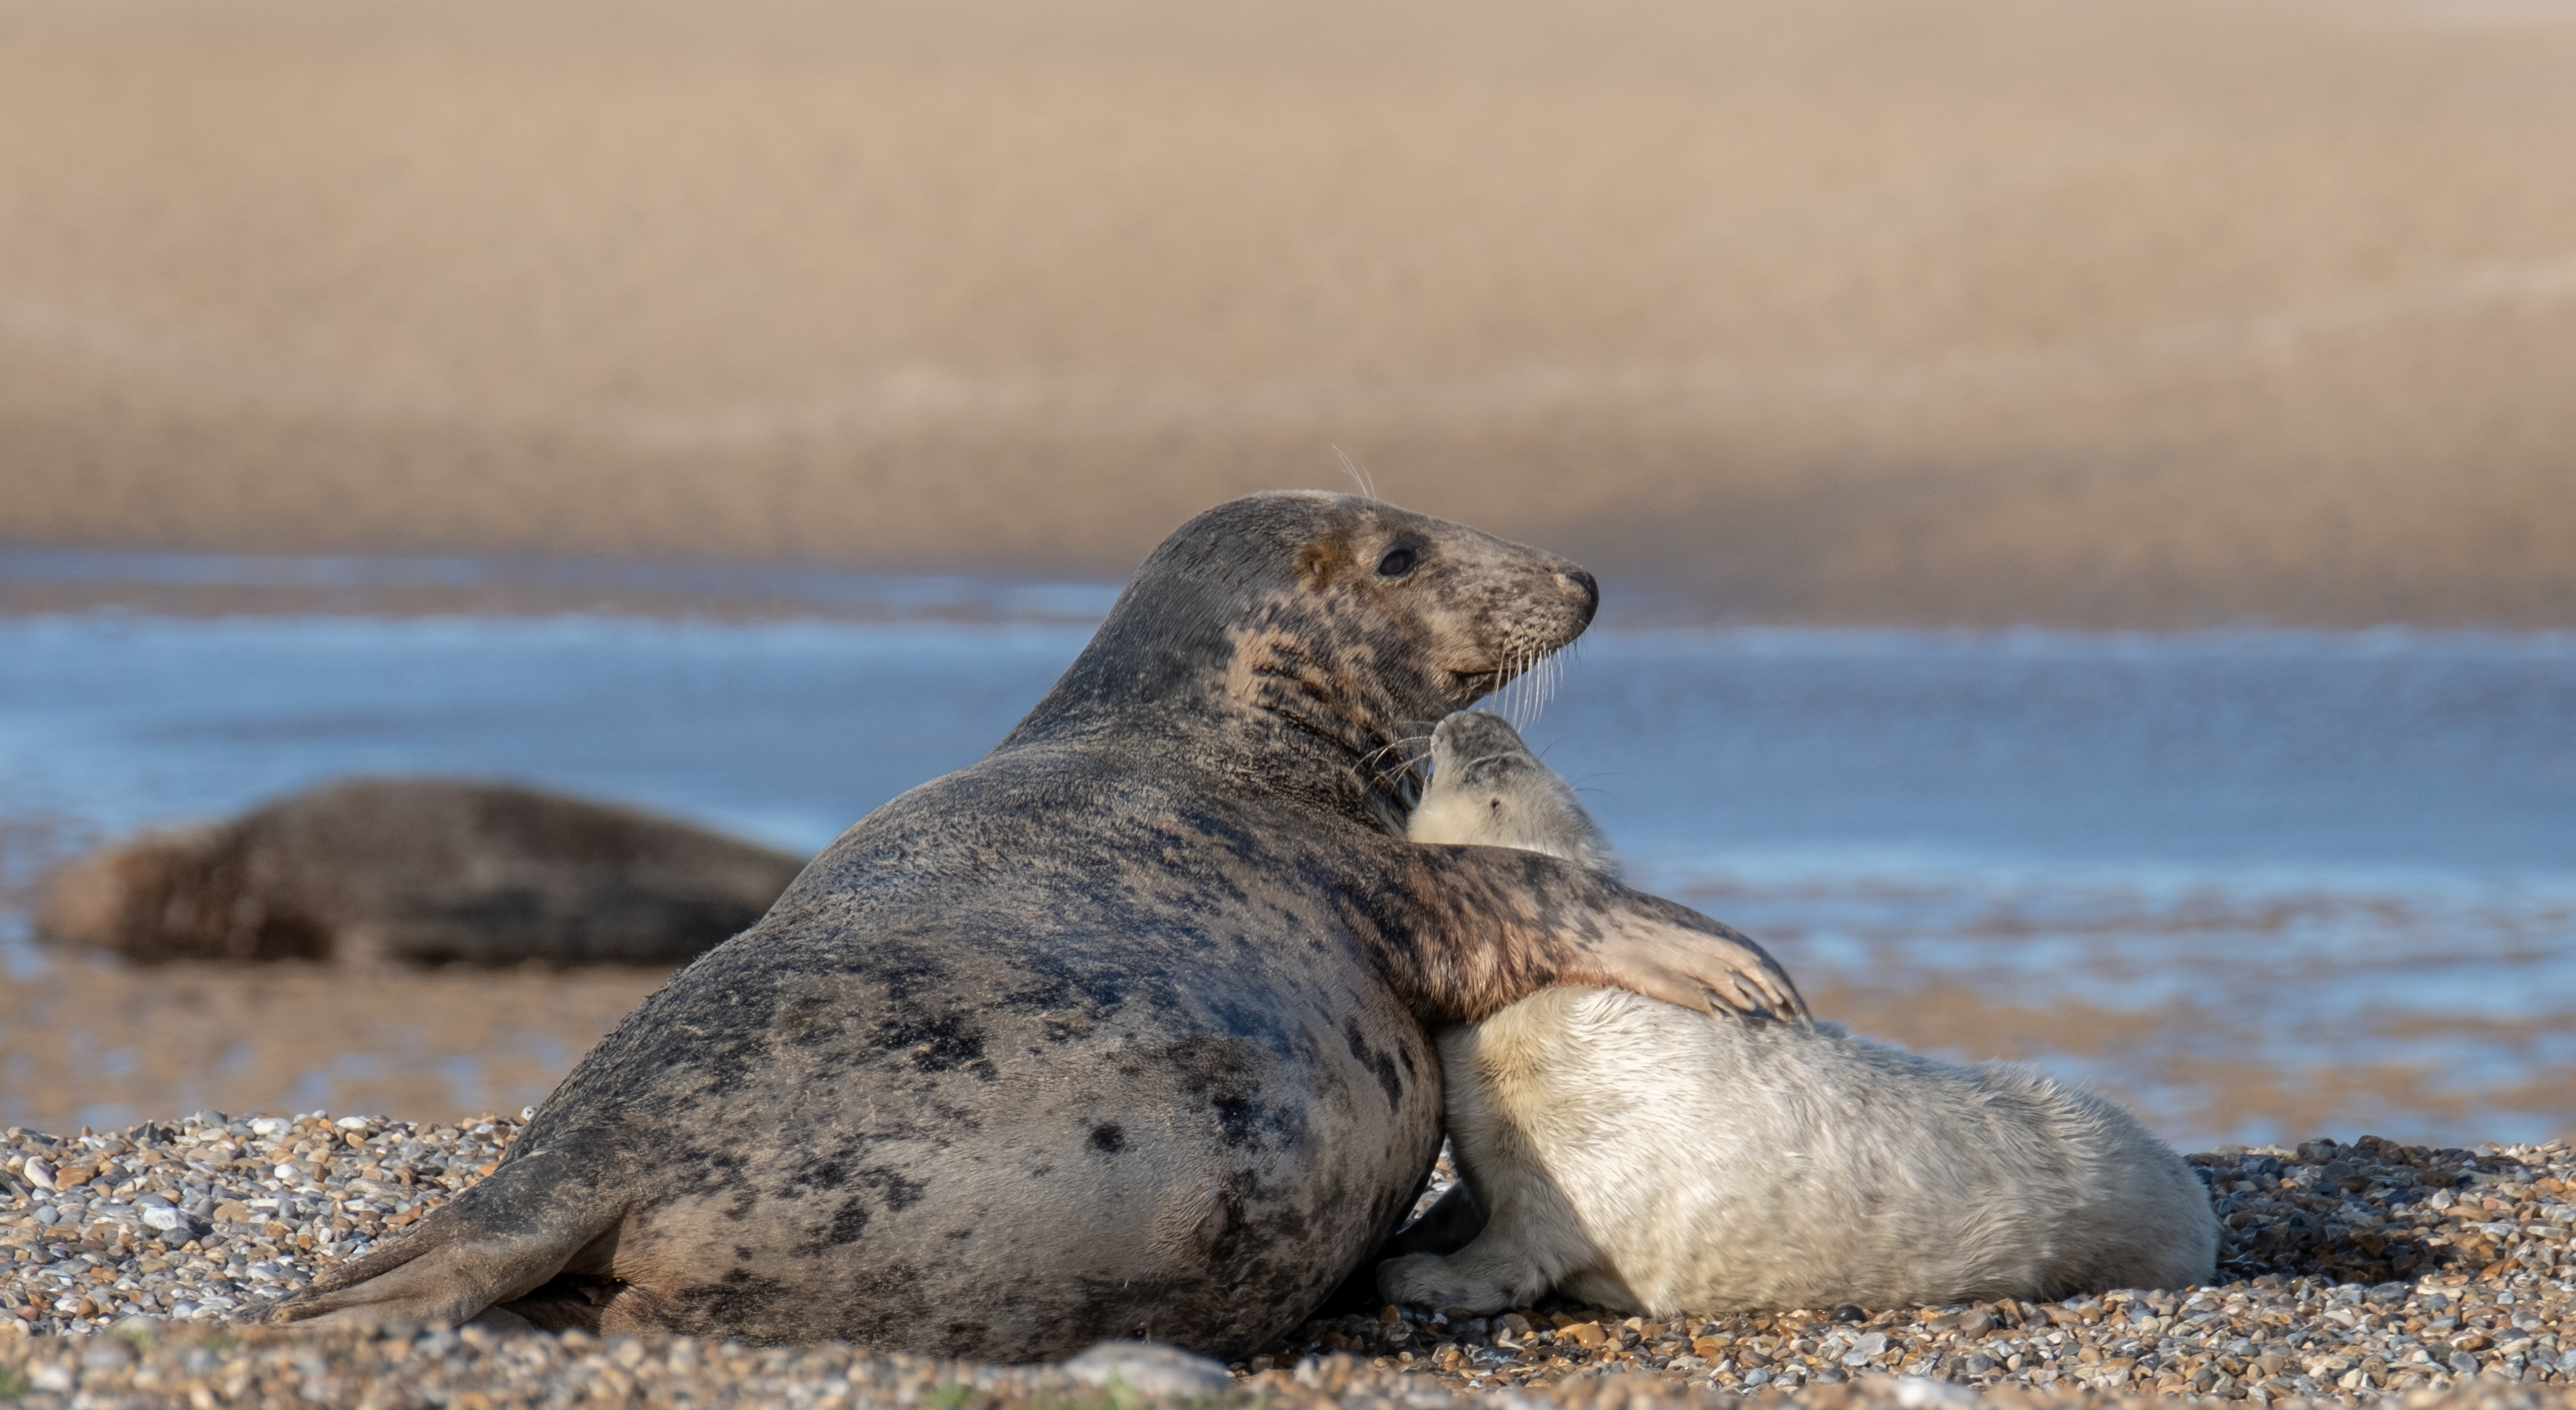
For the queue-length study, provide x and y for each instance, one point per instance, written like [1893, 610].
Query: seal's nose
[1580, 586]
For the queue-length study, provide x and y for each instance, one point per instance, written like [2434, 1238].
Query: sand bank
[2138, 313]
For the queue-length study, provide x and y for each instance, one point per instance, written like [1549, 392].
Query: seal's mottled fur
[1119, 1032]
[420, 870]
[1650, 1159]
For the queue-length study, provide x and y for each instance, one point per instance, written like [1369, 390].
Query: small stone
[1923, 1393]
[1150, 1368]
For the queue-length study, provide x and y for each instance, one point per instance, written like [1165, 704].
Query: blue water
[2306, 848]
[2422, 757]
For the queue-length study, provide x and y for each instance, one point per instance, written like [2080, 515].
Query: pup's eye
[1396, 563]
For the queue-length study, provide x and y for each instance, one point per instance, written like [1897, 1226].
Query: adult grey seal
[1118, 1032]
[1649, 1159]
[426, 871]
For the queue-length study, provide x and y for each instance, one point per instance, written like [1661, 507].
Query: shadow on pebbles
[2364, 1271]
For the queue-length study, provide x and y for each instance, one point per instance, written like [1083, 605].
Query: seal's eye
[1396, 563]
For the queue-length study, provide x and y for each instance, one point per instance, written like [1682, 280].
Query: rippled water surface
[2260, 883]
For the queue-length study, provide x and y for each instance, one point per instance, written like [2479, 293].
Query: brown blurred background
[2146, 313]
[2001, 310]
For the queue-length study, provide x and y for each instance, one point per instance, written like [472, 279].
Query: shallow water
[2260, 883]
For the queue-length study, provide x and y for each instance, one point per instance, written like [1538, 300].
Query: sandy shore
[2357, 1271]
[2143, 313]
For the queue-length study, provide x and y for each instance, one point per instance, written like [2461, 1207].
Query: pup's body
[1643, 1157]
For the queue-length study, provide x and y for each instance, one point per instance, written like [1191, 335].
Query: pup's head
[1487, 789]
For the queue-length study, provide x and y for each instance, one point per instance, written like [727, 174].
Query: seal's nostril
[1578, 583]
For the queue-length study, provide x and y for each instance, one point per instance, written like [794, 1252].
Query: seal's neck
[1279, 699]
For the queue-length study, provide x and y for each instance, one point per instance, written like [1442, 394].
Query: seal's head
[1488, 790]
[1289, 639]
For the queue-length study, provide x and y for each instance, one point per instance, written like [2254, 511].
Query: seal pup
[424, 871]
[1118, 1032]
[1643, 1157]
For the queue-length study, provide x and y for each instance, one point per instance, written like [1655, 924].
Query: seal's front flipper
[1489, 926]
[1685, 959]
[510, 1234]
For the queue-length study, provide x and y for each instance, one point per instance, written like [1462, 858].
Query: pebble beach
[132, 1263]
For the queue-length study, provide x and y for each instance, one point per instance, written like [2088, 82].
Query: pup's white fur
[1643, 1157]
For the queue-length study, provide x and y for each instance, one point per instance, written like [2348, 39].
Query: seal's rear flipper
[503, 1238]
[1450, 1224]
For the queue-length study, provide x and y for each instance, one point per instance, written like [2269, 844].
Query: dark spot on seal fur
[964, 1336]
[738, 1294]
[945, 1043]
[848, 1222]
[1239, 1119]
[1378, 1062]
[1108, 1136]
[898, 1192]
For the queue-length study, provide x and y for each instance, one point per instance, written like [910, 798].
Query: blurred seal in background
[420, 871]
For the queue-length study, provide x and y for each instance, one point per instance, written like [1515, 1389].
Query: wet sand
[94, 1044]
[101, 1045]
[2134, 313]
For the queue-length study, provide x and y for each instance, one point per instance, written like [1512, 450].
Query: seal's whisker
[1545, 674]
[1359, 477]
[1369, 760]
[1406, 780]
